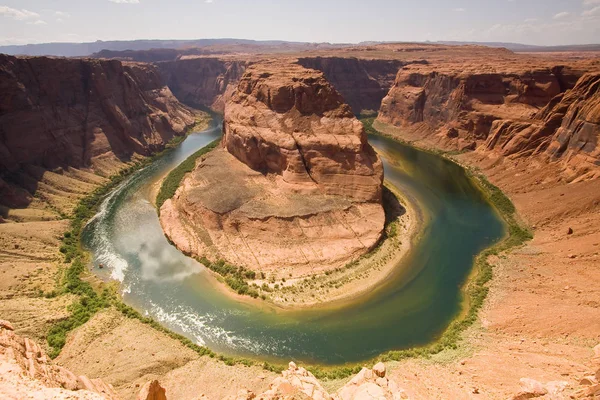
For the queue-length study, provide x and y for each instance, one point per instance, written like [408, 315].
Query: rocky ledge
[295, 187]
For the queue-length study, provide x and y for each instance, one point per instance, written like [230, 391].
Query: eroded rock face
[567, 129]
[56, 112]
[204, 81]
[289, 121]
[296, 188]
[71, 112]
[27, 372]
[551, 113]
[362, 82]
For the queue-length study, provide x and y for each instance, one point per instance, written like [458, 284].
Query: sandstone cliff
[290, 121]
[516, 110]
[362, 82]
[202, 82]
[68, 113]
[567, 129]
[296, 188]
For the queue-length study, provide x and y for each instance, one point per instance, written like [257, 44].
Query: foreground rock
[27, 372]
[297, 383]
[295, 184]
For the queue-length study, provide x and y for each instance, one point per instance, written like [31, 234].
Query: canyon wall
[202, 82]
[207, 82]
[362, 82]
[58, 112]
[517, 111]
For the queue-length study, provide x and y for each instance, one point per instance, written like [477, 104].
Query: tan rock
[597, 351]
[379, 369]
[588, 380]
[6, 325]
[27, 372]
[530, 388]
[152, 390]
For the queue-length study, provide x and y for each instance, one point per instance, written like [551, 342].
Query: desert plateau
[325, 216]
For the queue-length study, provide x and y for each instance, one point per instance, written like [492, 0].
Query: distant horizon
[300, 42]
[364, 42]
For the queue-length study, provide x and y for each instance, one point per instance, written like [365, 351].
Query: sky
[541, 22]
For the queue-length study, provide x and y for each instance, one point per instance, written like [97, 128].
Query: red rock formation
[306, 196]
[202, 82]
[67, 112]
[567, 129]
[548, 112]
[290, 121]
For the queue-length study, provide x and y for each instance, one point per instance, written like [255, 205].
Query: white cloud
[125, 1]
[61, 14]
[590, 2]
[592, 12]
[561, 15]
[460, 9]
[37, 22]
[19, 15]
[209, 1]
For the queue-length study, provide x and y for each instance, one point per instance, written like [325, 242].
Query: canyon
[529, 123]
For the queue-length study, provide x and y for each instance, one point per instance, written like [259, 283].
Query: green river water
[413, 306]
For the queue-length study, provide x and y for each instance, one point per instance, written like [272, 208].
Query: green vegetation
[81, 310]
[368, 124]
[173, 180]
[235, 277]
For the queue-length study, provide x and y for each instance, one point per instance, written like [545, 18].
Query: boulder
[379, 369]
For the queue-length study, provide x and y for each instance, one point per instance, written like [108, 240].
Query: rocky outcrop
[202, 82]
[296, 188]
[70, 112]
[362, 82]
[291, 122]
[520, 112]
[27, 372]
[298, 383]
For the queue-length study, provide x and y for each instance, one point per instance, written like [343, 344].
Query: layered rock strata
[57, 113]
[548, 112]
[362, 82]
[295, 183]
[203, 81]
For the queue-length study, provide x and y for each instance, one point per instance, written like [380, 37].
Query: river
[411, 308]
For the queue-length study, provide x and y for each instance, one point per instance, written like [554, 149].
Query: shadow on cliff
[391, 206]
